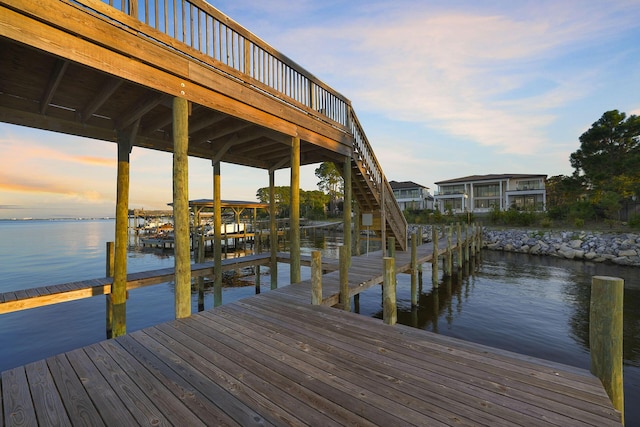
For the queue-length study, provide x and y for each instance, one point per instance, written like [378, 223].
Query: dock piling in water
[605, 336]
[390, 312]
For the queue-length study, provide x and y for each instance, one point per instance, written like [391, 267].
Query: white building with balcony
[480, 193]
[410, 195]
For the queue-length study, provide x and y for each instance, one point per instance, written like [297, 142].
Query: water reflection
[530, 305]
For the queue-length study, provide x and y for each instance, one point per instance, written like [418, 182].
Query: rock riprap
[617, 248]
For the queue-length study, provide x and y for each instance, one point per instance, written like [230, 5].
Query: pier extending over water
[277, 359]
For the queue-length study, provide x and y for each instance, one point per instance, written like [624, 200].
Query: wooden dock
[275, 359]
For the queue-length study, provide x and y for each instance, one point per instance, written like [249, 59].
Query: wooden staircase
[372, 190]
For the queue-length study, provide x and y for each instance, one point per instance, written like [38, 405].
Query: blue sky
[443, 89]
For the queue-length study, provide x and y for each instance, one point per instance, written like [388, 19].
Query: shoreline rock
[595, 246]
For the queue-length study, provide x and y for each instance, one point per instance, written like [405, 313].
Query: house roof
[395, 185]
[490, 177]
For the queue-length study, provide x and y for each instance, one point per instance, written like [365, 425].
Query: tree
[330, 182]
[609, 154]
[563, 192]
[282, 199]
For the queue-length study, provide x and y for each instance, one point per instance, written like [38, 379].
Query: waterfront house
[410, 195]
[480, 193]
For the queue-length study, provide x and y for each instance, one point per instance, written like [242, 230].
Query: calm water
[530, 305]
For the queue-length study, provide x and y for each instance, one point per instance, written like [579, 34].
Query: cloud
[493, 77]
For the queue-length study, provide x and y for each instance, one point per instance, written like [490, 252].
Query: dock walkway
[275, 359]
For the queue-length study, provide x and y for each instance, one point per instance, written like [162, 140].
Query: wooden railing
[209, 36]
[205, 30]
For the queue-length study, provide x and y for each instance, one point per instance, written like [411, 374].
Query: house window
[529, 202]
[452, 204]
[535, 184]
[486, 203]
[491, 190]
[452, 189]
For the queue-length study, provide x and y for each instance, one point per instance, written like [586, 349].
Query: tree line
[314, 204]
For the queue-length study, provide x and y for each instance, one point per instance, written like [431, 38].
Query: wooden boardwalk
[274, 359]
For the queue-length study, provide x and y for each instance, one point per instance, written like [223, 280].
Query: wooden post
[466, 244]
[391, 248]
[459, 244]
[414, 270]
[273, 231]
[294, 211]
[200, 260]
[472, 240]
[357, 227]
[605, 336]
[448, 269]
[383, 219]
[420, 240]
[316, 277]
[346, 207]
[217, 237]
[434, 259]
[257, 248]
[344, 277]
[119, 286]
[390, 312]
[182, 251]
[109, 273]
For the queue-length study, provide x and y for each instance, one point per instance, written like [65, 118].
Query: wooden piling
[467, 243]
[472, 240]
[344, 277]
[434, 259]
[459, 244]
[390, 312]
[414, 270]
[448, 270]
[257, 248]
[119, 286]
[356, 228]
[200, 279]
[605, 336]
[217, 240]
[346, 207]
[273, 231]
[420, 240]
[109, 273]
[182, 250]
[316, 277]
[294, 211]
[391, 247]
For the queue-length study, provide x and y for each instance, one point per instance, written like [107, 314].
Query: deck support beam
[294, 211]
[119, 287]
[346, 207]
[273, 231]
[181, 207]
[217, 237]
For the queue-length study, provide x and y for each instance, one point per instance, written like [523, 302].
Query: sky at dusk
[443, 89]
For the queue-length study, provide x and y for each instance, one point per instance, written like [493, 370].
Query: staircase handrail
[363, 152]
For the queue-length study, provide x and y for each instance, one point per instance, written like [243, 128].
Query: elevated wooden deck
[274, 359]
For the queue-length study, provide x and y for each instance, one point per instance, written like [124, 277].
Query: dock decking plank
[279, 397]
[111, 409]
[296, 371]
[202, 374]
[351, 372]
[478, 384]
[18, 406]
[197, 402]
[46, 399]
